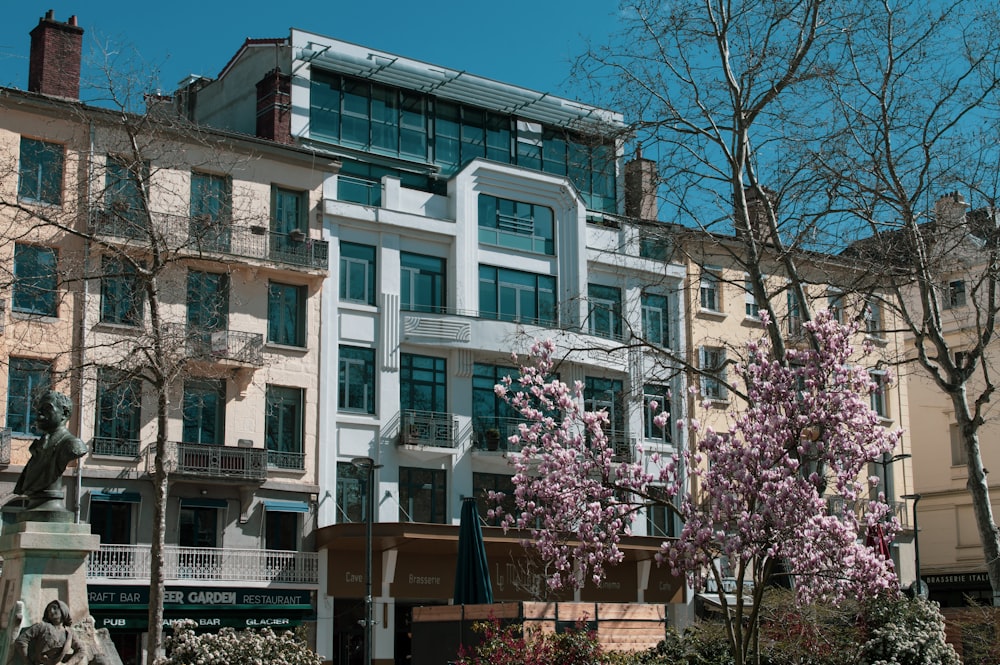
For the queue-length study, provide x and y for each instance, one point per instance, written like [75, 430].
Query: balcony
[205, 460]
[286, 461]
[181, 232]
[132, 562]
[112, 447]
[244, 349]
[502, 428]
[428, 428]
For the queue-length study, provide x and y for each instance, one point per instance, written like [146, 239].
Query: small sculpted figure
[49, 641]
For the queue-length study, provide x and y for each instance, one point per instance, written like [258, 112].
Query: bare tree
[798, 127]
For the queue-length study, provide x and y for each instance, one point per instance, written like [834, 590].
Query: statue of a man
[50, 641]
[41, 479]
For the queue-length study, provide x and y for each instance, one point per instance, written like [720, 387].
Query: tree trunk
[154, 640]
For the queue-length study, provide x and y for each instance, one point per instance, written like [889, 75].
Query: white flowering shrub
[906, 632]
[229, 647]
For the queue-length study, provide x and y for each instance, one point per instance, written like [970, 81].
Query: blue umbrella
[472, 573]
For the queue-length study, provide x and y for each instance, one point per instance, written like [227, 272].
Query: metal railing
[224, 564]
[180, 232]
[277, 459]
[113, 447]
[214, 461]
[220, 345]
[504, 428]
[428, 428]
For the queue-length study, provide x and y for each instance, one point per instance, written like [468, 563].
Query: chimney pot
[72, 20]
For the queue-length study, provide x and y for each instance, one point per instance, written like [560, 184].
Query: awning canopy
[122, 497]
[278, 506]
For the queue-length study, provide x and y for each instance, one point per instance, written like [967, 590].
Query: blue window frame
[512, 295]
[119, 403]
[423, 383]
[40, 172]
[283, 419]
[27, 378]
[121, 298]
[357, 273]
[286, 314]
[605, 318]
[607, 394]
[661, 395]
[517, 225]
[204, 411]
[356, 379]
[422, 283]
[211, 211]
[656, 319]
[35, 280]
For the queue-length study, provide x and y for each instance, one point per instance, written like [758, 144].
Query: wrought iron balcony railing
[244, 348]
[180, 232]
[112, 447]
[278, 459]
[428, 428]
[132, 562]
[214, 461]
[502, 428]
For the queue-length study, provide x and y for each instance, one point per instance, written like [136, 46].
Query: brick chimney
[640, 187]
[274, 107]
[56, 48]
[949, 211]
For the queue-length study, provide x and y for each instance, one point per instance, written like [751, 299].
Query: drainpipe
[85, 301]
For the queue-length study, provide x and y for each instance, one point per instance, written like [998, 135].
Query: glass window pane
[35, 280]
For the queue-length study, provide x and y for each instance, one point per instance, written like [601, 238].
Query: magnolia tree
[754, 501]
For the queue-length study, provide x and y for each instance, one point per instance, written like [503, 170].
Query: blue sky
[525, 42]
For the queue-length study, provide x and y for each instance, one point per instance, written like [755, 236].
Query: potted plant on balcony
[492, 438]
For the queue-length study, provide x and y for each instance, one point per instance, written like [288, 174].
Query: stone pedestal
[42, 562]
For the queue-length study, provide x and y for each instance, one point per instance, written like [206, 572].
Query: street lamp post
[367, 464]
[917, 583]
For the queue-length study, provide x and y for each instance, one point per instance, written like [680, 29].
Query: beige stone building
[94, 205]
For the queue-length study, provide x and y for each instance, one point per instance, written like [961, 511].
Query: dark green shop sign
[139, 622]
[200, 597]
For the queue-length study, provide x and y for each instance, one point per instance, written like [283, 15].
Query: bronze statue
[50, 641]
[41, 479]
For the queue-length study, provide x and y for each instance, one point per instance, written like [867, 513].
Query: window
[710, 292]
[835, 303]
[352, 499]
[655, 317]
[482, 485]
[357, 379]
[198, 527]
[516, 225]
[111, 520]
[422, 283]
[794, 314]
[659, 518]
[204, 412]
[207, 309]
[34, 289]
[661, 395]
[422, 128]
[40, 172]
[955, 297]
[27, 379]
[123, 199]
[211, 211]
[959, 456]
[653, 246]
[357, 273]
[512, 295]
[872, 315]
[879, 401]
[281, 531]
[422, 495]
[283, 420]
[423, 383]
[119, 399]
[488, 410]
[752, 308]
[712, 362]
[121, 299]
[288, 223]
[601, 394]
[286, 315]
[605, 311]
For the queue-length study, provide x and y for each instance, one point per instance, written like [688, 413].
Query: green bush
[229, 647]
